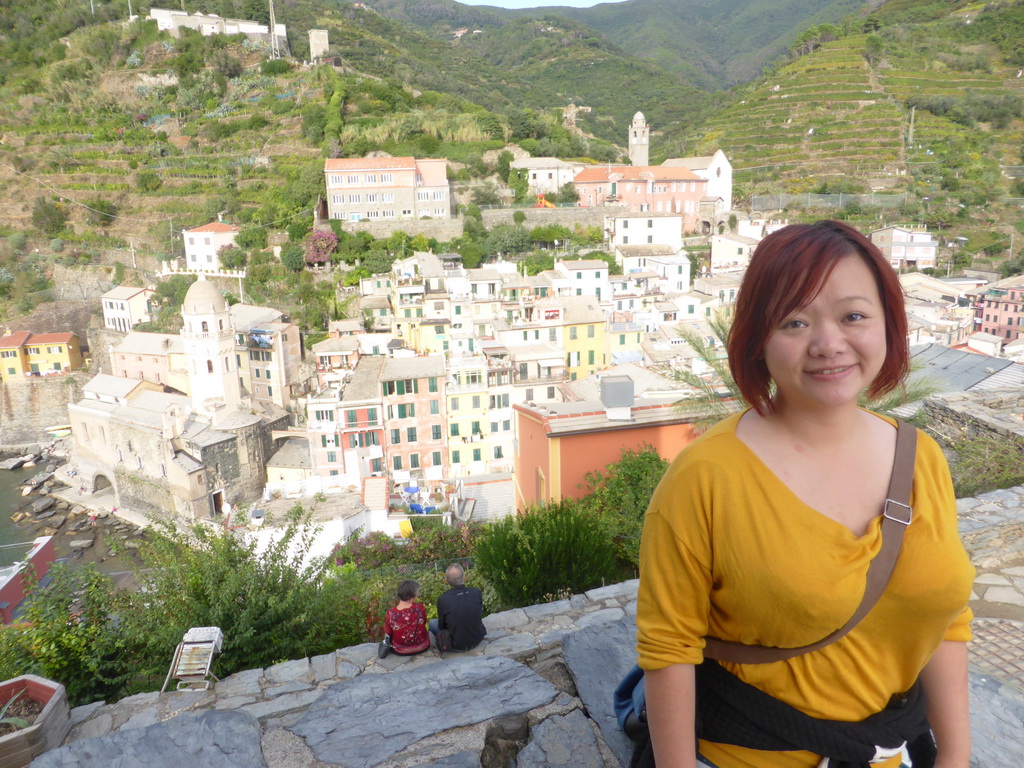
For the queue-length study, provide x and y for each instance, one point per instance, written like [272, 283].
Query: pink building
[415, 426]
[644, 189]
[387, 188]
[999, 309]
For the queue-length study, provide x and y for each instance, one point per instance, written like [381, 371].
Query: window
[352, 178]
[590, 357]
[529, 395]
[622, 338]
[329, 416]
[506, 425]
[396, 462]
[376, 465]
[552, 334]
[455, 457]
[410, 434]
[432, 384]
[435, 459]
[387, 178]
[476, 401]
[414, 461]
[332, 457]
[396, 436]
[572, 332]
[498, 453]
[270, 391]
[455, 430]
[455, 404]
[477, 454]
[371, 416]
[371, 178]
[435, 432]
[476, 427]
[590, 331]
[434, 407]
[499, 401]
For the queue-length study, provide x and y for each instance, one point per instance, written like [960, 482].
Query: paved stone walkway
[992, 526]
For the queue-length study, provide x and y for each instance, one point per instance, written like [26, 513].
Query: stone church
[161, 449]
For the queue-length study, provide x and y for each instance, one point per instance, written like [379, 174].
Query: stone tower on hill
[639, 140]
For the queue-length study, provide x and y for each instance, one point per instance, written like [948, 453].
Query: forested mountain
[710, 43]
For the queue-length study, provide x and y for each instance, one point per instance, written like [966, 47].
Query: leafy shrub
[275, 67]
[429, 545]
[48, 217]
[148, 181]
[18, 241]
[68, 636]
[545, 551]
[56, 245]
[293, 257]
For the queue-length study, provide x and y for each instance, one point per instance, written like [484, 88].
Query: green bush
[68, 636]
[56, 245]
[18, 241]
[545, 552]
[275, 67]
[148, 181]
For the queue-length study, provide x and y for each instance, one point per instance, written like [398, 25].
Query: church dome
[203, 299]
[639, 117]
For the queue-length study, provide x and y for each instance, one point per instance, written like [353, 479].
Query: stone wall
[977, 414]
[545, 217]
[448, 229]
[28, 406]
[80, 283]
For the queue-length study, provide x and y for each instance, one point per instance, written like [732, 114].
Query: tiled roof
[368, 163]
[124, 292]
[216, 226]
[16, 339]
[637, 173]
[52, 338]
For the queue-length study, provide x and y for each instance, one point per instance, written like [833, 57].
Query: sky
[537, 3]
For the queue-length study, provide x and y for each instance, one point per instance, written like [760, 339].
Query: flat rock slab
[997, 720]
[362, 723]
[210, 740]
[610, 648]
[562, 741]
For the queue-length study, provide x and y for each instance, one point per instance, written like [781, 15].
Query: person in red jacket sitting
[406, 623]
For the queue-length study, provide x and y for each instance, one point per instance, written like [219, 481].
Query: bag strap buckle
[898, 512]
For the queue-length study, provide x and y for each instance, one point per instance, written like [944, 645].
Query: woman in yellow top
[762, 530]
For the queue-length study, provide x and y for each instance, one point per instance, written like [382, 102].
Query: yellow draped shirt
[729, 551]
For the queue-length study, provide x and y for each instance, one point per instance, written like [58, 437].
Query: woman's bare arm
[945, 684]
[670, 715]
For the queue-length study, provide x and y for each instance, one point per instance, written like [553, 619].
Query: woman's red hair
[786, 272]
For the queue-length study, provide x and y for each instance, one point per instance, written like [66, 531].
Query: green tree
[621, 495]
[293, 257]
[567, 193]
[486, 195]
[518, 217]
[231, 257]
[252, 238]
[48, 217]
[100, 212]
[68, 635]
[271, 603]
[507, 238]
[504, 164]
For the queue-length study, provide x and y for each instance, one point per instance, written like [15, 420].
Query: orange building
[559, 443]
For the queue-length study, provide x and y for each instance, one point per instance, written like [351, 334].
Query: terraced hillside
[915, 109]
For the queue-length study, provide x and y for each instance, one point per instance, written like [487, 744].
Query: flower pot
[47, 732]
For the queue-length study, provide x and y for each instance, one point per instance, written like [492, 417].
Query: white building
[644, 229]
[906, 248]
[731, 253]
[125, 307]
[209, 340]
[547, 175]
[203, 243]
[585, 277]
[716, 169]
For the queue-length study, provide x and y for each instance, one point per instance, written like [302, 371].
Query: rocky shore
[82, 524]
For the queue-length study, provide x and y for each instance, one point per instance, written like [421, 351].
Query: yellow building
[584, 335]
[24, 353]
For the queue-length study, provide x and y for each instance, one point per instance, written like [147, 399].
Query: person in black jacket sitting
[460, 611]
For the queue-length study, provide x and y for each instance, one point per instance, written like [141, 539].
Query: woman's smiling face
[826, 353]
